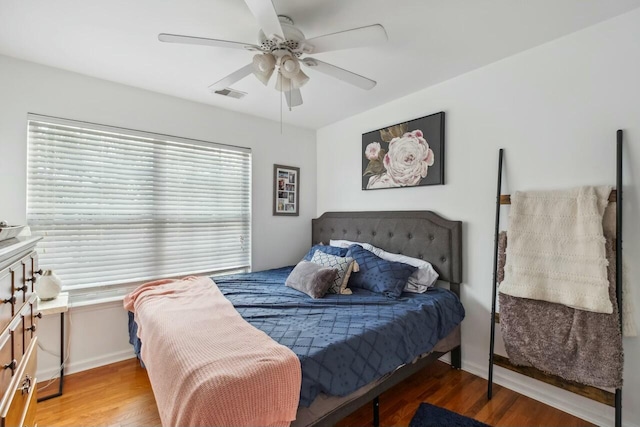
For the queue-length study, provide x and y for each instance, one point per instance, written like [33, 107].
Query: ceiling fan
[281, 47]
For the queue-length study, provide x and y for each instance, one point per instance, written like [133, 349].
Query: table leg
[60, 384]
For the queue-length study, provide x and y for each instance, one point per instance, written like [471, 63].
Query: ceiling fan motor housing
[293, 41]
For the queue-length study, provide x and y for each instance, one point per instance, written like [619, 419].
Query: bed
[354, 347]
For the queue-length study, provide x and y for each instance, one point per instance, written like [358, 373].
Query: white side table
[55, 306]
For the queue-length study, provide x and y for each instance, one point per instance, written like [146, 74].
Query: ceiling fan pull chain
[281, 95]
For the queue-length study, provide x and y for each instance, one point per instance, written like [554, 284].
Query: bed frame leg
[376, 411]
[456, 358]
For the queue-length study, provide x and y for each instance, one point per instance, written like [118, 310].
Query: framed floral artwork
[407, 154]
[286, 190]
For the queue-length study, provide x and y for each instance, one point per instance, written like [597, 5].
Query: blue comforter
[343, 341]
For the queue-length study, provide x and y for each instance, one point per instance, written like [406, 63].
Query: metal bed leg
[376, 412]
[456, 358]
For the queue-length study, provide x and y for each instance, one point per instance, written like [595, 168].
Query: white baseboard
[83, 365]
[446, 358]
[581, 407]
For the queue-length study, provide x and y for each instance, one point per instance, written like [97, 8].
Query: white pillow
[345, 243]
[419, 281]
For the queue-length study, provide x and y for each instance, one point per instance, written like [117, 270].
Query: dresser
[18, 325]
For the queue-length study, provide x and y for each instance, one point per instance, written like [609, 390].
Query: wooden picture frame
[407, 154]
[286, 190]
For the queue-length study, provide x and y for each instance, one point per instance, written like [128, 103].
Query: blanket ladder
[594, 393]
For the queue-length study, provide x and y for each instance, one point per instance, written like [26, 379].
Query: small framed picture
[286, 190]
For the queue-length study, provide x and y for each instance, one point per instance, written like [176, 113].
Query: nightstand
[55, 306]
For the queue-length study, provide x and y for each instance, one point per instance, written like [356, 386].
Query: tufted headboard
[419, 234]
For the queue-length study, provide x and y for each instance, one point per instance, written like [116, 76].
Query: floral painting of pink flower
[404, 155]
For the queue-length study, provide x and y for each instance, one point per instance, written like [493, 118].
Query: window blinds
[117, 206]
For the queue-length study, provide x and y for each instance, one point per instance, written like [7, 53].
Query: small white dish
[10, 231]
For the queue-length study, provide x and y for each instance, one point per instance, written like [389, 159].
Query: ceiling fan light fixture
[283, 84]
[263, 66]
[289, 66]
[290, 69]
[299, 80]
[264, 78]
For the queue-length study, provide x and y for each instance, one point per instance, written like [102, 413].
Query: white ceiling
[429, 41]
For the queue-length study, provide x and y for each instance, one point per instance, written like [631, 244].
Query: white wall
[555, 110]
[98, 334]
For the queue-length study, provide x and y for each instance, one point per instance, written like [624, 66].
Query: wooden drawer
[30, 321]
[23, 390]
[17, 333]
[30, 415]
[18, 341]
[16, 287]
[6, 359]
[29, 267]
[20, 285]
[6, 298]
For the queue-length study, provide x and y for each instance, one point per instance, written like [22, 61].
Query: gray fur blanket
[577, 345]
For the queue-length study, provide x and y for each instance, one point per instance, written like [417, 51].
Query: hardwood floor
[112, 395]
[120, 395]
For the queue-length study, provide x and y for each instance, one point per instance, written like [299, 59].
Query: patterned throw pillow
[332, 250]
[377, 274]
[344, 265]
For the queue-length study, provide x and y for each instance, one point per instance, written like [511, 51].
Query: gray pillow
[312, 279]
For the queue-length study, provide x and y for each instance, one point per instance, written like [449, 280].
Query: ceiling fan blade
[340, 73]
[357, 37]
[266, 16]
[293, 97]
[232, 78]
[175, 38]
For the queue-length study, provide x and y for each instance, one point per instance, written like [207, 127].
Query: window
[118, 207]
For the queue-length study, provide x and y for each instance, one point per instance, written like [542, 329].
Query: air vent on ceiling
[232, 93]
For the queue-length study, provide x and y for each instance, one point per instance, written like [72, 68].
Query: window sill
[97, 302]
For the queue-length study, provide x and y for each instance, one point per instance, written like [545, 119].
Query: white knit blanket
[556, 250]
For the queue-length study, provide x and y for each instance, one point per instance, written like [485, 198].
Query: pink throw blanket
[206, 364]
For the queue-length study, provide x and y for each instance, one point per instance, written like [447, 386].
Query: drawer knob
[31, 328]
[33, 279]
[22, 288]
[26, 385]
[11, 365]
[11, 300]
[39, 315]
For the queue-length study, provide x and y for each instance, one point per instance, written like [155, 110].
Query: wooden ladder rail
[594, 393]
[505, 199]
[494, 290]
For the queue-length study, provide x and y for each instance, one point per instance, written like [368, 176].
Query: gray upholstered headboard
[419, 234]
